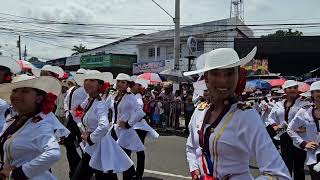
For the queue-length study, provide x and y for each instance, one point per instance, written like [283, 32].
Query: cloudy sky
[48, 41]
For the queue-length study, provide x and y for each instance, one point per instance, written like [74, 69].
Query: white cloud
[135, 11]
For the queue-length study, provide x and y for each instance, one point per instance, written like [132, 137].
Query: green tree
[284, 33]
[79, 49]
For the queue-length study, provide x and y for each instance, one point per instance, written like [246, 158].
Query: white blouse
[277, 114]
[304, 118]
[242, 136]
[96, 122]
[129, 111]
[78, 97]
[142, 124]
[34, 147]
[105, 153]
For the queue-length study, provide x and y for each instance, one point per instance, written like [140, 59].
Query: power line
[42, 21]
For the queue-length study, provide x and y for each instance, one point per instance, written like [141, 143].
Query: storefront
[114, 63]
[290, 56]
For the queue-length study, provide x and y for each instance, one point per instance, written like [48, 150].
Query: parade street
[165, 160]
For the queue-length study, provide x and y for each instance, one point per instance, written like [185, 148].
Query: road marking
[166, 174]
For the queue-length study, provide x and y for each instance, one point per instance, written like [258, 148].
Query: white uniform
[265, 111]
[105, 153]
[129, 111]
[34, 147]
[142, 124]
[78, 97]
[304, 118]
[4, 105]
[277, 114]
[239, 136]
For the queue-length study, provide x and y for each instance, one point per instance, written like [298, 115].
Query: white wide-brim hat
[144, 83]
[55, 69]
[10, 63]
[306, 94]
[93, 74]
[44, 83]
[289, 83]
[222, 58]
[315, 86]
[123, 77]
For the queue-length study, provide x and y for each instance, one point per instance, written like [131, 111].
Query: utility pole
[25, 53]
[176, 21]
[19, 46]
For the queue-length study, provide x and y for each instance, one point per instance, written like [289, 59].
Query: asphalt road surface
[165, 160]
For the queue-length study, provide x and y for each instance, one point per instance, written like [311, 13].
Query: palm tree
[79, 49]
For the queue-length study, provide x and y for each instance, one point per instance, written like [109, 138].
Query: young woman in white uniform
[28, 146]
[126, 113]
[282, 113]
[76, 95]
[102, 155]
[224, 135]
[308, 117]
[8, 67]
[142, 127]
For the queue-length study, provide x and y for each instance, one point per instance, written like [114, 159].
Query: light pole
[176, 21]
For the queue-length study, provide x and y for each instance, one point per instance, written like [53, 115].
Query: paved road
[165, 160]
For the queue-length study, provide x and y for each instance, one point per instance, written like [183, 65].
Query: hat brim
[80, 78]
[10, 63]
[44, 83]
[242, 62]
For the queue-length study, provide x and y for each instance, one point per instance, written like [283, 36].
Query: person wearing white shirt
[226, 134]
[280, 116]
[126, 113]
[142, 127]
[97, 144]
[308, 118]
[8, 67]
[28, 146]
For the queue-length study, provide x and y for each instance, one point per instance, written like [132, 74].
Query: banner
[257, 67]
[154, 67]
[73, 60]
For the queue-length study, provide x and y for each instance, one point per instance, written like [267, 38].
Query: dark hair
[40, 93]
[6, 70]
[100, 82]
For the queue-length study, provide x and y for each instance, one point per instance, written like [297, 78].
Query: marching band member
[126, 113]
[142, 127]
[280, 116]
[76, 95]
[8, 67]
[28, 147]
[225, 135]
[102, 155]
[308, 117]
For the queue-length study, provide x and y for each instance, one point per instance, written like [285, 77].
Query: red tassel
[79, 112]
[48, 103]
[104, 87]
[241, 82]
[7, 78]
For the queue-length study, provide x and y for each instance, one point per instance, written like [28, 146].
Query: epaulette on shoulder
[243, 106]
[202, 106]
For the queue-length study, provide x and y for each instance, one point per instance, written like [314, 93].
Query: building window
[158, 51]
[151, 52]
[200, 46]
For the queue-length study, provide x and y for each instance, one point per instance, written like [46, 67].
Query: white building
[156, 51]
